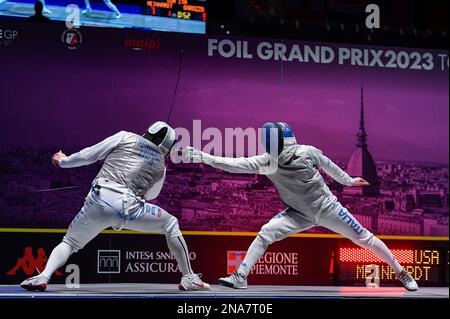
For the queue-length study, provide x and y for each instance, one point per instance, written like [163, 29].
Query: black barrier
[144, 258]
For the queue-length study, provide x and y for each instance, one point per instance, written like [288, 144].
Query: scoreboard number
[372, 276]
[180, 9]
[357, 266]
[183, 15]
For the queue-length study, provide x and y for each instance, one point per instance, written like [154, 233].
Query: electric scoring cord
[180, 61]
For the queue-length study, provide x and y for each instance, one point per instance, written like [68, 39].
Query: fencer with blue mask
[133, 172]
[295, 171]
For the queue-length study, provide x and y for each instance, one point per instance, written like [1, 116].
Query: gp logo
[7, 36]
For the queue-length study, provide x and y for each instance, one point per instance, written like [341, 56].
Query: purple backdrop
[55, 98]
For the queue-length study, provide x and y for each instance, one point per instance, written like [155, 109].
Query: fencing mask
[163, 136]
[277, 136]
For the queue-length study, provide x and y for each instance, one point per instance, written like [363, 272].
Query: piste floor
[254, 292]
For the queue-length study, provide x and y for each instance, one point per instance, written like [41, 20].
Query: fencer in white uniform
[108, 3]
[295, 171]
[133, 172]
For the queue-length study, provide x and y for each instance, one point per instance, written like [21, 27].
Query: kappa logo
[108, 262]
[234, 260]
[28, 264]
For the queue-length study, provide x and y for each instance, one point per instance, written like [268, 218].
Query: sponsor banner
[225, 51]
[271, 263]
[135, 258]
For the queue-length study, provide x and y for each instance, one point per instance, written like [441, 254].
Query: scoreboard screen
[360, 267]
[179, 9]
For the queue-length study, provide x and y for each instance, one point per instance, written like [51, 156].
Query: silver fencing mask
[163, 136]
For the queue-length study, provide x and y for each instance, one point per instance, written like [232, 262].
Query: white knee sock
[58, 257]
[382, 251]
[255, 251]
[178, 247]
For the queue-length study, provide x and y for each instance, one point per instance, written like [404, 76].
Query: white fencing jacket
[296, 176]
[131, 161]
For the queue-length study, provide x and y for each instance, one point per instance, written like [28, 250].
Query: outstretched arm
[261, 164]
[339, 175]
[88, 155]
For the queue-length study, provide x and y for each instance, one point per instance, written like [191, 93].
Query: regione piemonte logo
[108, 262]
[234, 260]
